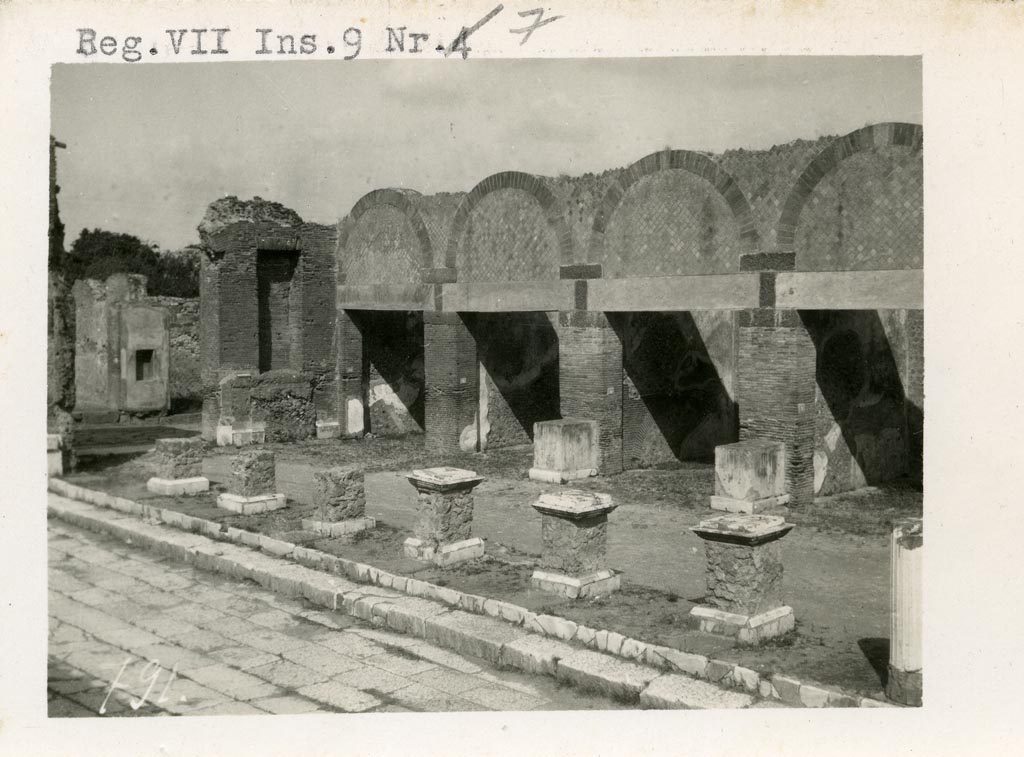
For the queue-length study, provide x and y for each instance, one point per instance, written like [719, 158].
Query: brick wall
[590, 378]
[776, 391]
[508, 238]
[230, 291]
[452, 384]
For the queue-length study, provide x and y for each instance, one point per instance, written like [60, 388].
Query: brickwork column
[915, 392]
[452, 379]
[775, 379]
[590, 379]
[351, 402]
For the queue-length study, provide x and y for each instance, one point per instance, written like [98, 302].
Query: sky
[150, 146]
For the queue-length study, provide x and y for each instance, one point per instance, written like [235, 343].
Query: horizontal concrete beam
[850, 290]
[383, 296]
[507, 296]
[729, 291]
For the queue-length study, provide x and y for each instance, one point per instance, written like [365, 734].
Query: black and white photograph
[542, 389]
[416, 377]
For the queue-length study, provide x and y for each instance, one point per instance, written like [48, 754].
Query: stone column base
[328, 430]
[229, 436]
[56, 456]
[560, 476]
[595, 584]
[747, 506]
[747, 629]
[904, 686]
[340, 527]
[176, 487]
[444, 554]
[261, 503]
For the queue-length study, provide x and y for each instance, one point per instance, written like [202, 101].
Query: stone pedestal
[907, 549]
[744, 578]
[574, 529]
[252, 484]
[564, 450]
[178, 467]
[340, 499]
[56, 455]
[445, 504]
[750, 476]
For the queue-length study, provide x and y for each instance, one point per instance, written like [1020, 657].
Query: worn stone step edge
[786, 689]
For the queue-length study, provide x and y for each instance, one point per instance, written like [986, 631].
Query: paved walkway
[133, 634]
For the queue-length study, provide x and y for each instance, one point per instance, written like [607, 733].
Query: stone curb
[470, 635]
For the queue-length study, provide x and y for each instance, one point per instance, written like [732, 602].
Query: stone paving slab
[336, 664]
[473, 633]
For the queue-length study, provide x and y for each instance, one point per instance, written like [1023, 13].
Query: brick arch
[841, 148]
[550, 205]
[695, 163]
[400, 199]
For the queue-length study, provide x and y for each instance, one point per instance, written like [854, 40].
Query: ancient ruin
[682, 303]
[253, 485]
[444, 533]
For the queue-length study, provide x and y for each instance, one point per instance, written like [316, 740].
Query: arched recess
[695, 163]
[841, 148]
[550, 205]
[401, 200]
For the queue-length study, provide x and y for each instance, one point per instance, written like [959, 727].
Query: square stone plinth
[574, 532]
[252, 474]
[596, 584]
[339, 494]
[328, 430]
[178, 458]
[339, 528]
[444, 500]
[750, 471]
[564, 450]
[177, 487]
[743, 569]
[444, 554]
[259, 503]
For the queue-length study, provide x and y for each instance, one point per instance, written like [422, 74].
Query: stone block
[444, 554]
[672, 691]
[564, 450]
[750, 470]
[476, 635]
[259, 503]
[604, 674]
[338, 528]
[178, 458]
[339, 493]
[746, 506]
[597, 584]
[328, 430]
[746, 629]
[178, 487]
[252, 474]
[56, 455]
[535, 654]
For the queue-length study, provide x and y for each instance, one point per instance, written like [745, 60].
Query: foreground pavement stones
[683, 692]
[311, 584]
[215, 671]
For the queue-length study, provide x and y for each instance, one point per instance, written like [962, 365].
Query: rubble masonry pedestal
[179, 465]
[744, 578]
[574, 529]
[340, 498]
[252, 484]
[445, 503]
